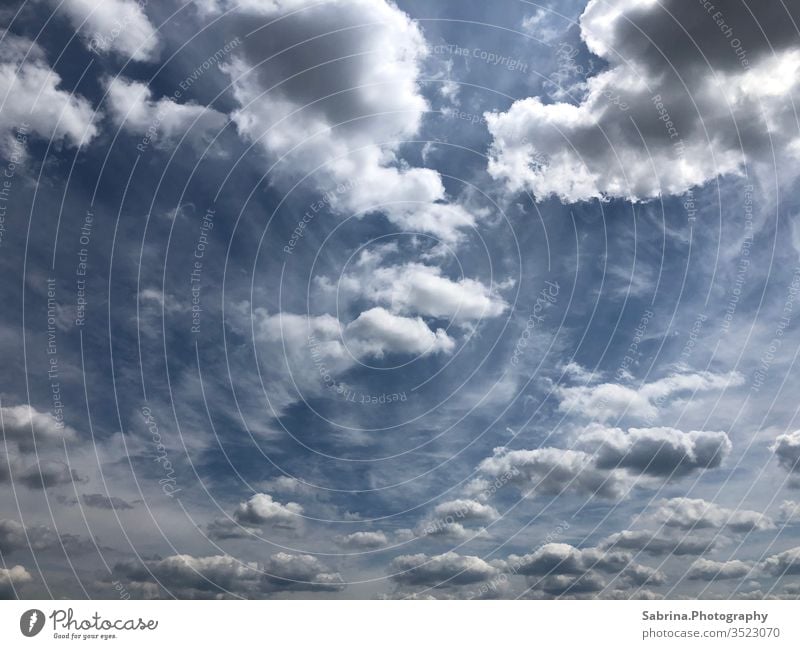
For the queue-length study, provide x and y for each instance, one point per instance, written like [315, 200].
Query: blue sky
[359, 299]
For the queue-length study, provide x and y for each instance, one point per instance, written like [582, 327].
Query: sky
[361, 299]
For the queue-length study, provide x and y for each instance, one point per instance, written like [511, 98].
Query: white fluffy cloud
[787, 450]
[374, 333]
[608, 461]
[682, 100]
[419, 289]
[119, 26]
[187, 576]
[261, 509]
[559, 568]
[363, 540]
[338, 104]
[32, 100]
[695, 513]
[131, 105]
[783, 563]
[300, 572]
[377, 332]
[440, 571]
[706, 570]
[611, 400]
[553, 471]
[11, 579]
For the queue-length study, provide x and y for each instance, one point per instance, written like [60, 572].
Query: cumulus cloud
[324, 339]
[101, 501]
[187, 576]
[164, 121]
[706, 570]
[363, 540]
[790, 512]
[466, 509]
[661, 452]
[553, 471]
[783, 563]
[447, 519]
[682, 100]
[440, 571]
[560, 568]
[658, 543]
[695, 513]
[300, 572]
[33, 102]
[11, 579]
[333, 90]
[611, 400]
[119, 26]
[261, 509]
[29, 429]
[418, 289]
[377, 332]
[15, 536]
[787, 450]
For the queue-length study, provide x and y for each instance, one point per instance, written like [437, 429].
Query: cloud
[300, 572]
[610, 400]
[790, 512]
[683, 99]
[440, 571]
[15, 536]
[561, 560]
[29, 428]
[164, 121]
[32, 99]
[706, 570]
[466, 509]
[11, 579]
[658, 543]
[419, 289]
[377, 332]
[101, 501]
[186, 576]
[363, 540]
[787, 450]
[695, 513]
[661, 452]
[261, 509]
[553, 471]
[333, 90]
[42, 475]
[325, 340]
[783, 563]
[119, 26]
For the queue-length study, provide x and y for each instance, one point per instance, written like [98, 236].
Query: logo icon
[31, 622]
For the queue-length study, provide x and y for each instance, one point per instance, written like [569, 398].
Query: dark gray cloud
[661, 452]
[687, 95]
[101, 501]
